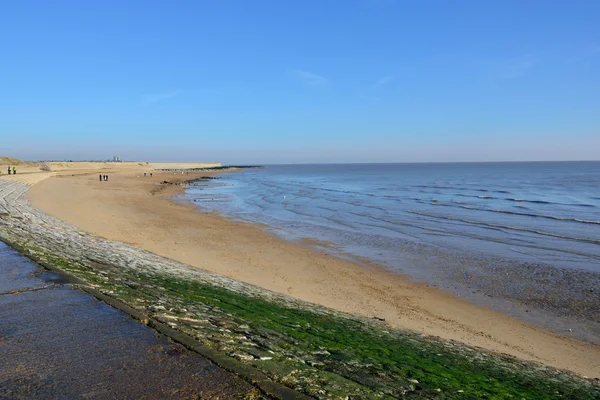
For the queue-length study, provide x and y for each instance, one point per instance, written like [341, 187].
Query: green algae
[384, 360]
[324, 355]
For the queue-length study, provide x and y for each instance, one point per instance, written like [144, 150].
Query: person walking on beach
[14, 170]
[100, 176]
[9, 169]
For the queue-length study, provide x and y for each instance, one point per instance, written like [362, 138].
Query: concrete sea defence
[60, 343]
[313, 350]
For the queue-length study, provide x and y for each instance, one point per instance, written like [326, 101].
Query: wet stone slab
[16, 271]
[57, 342]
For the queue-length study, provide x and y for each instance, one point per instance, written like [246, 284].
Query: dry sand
[135, 209]
[28, 167]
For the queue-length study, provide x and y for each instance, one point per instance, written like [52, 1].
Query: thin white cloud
[309, 77]
[384, 81]
[155, 98]
[518, 67]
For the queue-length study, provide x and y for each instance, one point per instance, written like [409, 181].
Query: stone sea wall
[313, 350]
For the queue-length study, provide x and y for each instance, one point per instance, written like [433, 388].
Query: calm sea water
[542, 212]
[528, 232]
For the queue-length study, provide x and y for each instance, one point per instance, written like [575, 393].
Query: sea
[522, 237]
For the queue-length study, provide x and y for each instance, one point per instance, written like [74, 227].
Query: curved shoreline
[223, 247]
[558, 299]
[315, 350]
[311, 349]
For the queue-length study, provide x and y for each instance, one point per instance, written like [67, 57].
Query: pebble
[242, 356]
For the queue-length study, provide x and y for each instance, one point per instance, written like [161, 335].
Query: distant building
[117, 159]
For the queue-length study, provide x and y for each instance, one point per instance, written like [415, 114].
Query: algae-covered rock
[312, 349]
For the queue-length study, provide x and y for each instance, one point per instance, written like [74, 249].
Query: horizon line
[325, 163]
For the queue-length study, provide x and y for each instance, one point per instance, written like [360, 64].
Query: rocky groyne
[269, 337]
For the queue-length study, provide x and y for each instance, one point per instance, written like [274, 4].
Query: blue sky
[300, 81]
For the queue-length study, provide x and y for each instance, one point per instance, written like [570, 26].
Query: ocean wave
[511, 199]
[535, 215]
[464, 189]
[525, 214]
[548, 202]
[353, 192]
[507, 227]
[529, 201]
[556, 218]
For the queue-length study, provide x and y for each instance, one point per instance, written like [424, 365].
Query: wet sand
[60, 343]
[136, 209]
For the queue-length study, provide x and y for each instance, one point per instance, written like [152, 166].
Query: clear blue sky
[300, 81]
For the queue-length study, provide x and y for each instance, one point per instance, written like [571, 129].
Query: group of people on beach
[101, 177]
[12, 170]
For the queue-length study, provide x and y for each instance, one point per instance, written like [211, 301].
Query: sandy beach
[138, 210]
